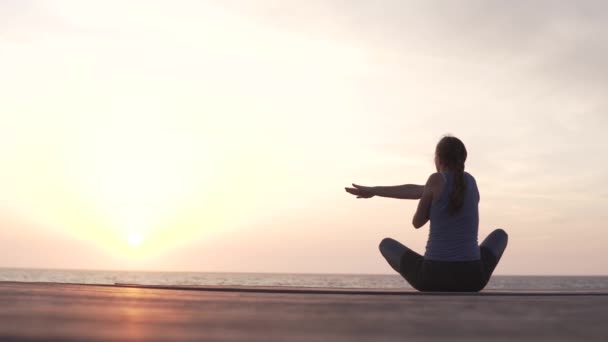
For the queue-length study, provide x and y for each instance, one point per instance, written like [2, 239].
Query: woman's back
[453, 237]
[450, 200]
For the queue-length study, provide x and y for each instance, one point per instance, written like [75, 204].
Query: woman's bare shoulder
[435, 177]
[435, 181]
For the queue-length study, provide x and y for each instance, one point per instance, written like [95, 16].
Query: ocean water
[563, 283]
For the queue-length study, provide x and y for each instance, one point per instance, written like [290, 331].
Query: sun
[135, 239]
[139, 170]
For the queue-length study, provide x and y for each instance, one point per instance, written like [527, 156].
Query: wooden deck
[70, 312]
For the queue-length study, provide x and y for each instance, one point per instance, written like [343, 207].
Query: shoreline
[323, 290]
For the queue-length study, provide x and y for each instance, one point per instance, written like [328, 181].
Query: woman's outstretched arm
[406, 191]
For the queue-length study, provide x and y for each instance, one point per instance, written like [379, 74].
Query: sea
[368, 281]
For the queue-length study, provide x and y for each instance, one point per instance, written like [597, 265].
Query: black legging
[429, 275]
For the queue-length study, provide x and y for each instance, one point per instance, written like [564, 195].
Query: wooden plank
[69, 312]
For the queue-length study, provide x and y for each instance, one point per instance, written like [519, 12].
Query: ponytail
[452, 154]
[457, 195]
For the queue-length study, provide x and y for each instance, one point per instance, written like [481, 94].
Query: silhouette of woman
[453, 261]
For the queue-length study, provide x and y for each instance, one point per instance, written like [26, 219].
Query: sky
[219, 135]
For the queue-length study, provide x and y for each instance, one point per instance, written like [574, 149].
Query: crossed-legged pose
[453, 260]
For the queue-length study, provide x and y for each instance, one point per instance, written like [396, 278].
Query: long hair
[452, 154]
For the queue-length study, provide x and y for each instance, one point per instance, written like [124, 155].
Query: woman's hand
[361, 191]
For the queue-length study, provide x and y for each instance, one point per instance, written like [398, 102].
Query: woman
[453, 261]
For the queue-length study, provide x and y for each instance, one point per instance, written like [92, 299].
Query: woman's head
[450, 155]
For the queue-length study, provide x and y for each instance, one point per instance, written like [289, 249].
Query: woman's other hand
[361, 191]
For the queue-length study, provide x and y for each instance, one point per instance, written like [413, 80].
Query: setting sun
[135, 239]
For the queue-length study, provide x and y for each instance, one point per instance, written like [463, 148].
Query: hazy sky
[219, 135]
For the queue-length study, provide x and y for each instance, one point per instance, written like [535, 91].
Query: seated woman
[453, 261]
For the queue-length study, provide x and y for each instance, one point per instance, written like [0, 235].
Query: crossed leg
[491, 249]
[392, 251]
[402, 259]
[407, 262]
